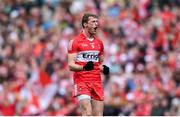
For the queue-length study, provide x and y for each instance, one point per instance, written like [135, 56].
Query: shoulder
[76, 39]
[74, 43]
[99, 41]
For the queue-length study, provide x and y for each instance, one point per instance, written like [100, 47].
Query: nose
[97, 23]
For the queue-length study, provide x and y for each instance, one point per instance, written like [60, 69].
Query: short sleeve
[73, 46]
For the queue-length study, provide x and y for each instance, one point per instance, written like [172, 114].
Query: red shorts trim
[95, 90]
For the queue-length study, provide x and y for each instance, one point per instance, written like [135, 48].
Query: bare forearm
[75, 67]
[71, 63]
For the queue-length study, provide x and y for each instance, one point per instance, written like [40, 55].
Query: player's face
[92, 25]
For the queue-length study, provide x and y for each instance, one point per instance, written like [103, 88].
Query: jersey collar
[84, 37]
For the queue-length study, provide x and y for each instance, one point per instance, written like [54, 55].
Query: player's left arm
[101, 60]
[104, 69]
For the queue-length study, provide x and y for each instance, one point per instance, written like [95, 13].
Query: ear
[85, 24]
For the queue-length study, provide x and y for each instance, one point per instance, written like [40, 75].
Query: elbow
[70, 67]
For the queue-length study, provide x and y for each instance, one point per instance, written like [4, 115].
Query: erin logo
[85, 56]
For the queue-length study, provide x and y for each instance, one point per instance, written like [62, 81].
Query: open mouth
[95, 28]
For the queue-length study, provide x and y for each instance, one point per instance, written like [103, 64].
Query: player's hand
[89, 66]
[105, 70]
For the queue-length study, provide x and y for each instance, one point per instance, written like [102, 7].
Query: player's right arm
[72, 53]
[71, 63]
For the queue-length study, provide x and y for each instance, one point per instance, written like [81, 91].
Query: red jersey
[86, 51]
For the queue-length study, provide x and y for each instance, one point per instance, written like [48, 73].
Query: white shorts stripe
[83, 96]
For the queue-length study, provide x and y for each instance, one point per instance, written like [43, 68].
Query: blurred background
[142, 48]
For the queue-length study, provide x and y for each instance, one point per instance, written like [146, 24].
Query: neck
[87, 34]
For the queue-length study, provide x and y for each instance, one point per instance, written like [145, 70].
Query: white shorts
[83, 96]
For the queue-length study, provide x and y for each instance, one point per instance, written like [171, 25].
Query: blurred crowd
[142, 48]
